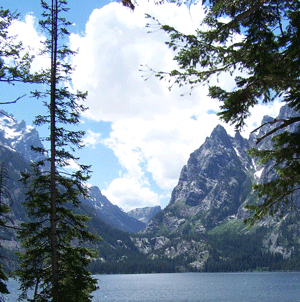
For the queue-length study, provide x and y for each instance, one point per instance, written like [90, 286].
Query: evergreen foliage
[15, 62]
[14, 67]
[55, 258]
[5, 201]
[259, 41]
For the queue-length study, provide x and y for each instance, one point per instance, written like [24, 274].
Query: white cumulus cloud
[27, 32]
[153, 129]
[128, 194]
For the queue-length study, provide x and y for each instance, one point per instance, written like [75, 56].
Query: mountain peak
[220, 136]
[218, 131]
[19, 136]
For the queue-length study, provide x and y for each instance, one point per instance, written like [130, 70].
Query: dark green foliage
[35, 267]
[237, 251]
[138, 265]
[267, 57]
[5, 201]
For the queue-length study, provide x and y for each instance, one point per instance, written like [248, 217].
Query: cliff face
[214, 178]
[210, 196]
[144, 214]
[212, 186]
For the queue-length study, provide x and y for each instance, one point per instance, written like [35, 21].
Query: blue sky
[138, 133]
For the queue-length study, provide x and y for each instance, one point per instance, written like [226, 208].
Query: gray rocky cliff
[212, 185]
[19, 137]
[144, 214]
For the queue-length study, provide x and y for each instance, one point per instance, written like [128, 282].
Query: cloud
[128, 194]
[154, 130]
[160, 146]
[111, 53]
[91, 139]
[32, 40]
[72, 165]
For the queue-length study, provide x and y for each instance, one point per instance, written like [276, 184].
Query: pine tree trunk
[53, 152]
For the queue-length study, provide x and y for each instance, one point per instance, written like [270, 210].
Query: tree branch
[284, 124]
[247, 13]
[12, 102]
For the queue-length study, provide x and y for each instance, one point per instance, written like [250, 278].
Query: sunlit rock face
[19, 137]
[213, 188]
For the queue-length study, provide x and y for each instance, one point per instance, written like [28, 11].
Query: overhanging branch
[284, 124]
[12, 102]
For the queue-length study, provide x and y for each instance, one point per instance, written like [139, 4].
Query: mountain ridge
[18, 138]
[144, 214]
[201, 229]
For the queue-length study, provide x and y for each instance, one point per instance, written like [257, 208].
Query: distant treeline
[228, 253]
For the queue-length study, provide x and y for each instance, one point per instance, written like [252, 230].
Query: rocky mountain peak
[215, 184]
[210, 184]
[19, 136]
[95, 192]
[209, 199]
[220, 136]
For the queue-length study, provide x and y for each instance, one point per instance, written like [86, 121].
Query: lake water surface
[213, 287]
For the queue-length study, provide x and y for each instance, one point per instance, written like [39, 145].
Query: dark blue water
[215, 287]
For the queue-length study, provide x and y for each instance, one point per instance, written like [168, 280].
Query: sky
[139, 134]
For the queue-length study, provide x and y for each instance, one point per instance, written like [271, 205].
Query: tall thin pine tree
[56, 256]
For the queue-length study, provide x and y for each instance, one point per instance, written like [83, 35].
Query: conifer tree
[5, 201]
[261, 40]
[55, 258]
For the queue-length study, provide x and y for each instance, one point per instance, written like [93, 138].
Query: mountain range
[201, 229]
[17, 138]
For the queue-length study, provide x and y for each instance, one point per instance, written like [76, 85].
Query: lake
[212, 287]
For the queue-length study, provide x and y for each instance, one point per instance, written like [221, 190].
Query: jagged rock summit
[18, 136]
[212, 185]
